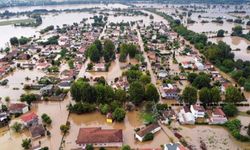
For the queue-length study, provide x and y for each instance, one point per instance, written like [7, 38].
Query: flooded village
[125, 76]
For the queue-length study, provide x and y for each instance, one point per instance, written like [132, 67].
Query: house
[168, 115]
[65, 84]
[47, 90]
[174, 146]
[18, 108]
[185, 116]
[37, 131]
[3, 117]
[152, 128]
[197, 111]
[187, 65]
[169, 91]
[163, 74]
[29, 119]
[99, 67]
[99, 137]
[199, 66]
[42, 66]
[218, 116]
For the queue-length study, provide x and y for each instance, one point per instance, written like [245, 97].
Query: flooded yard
[131, 122]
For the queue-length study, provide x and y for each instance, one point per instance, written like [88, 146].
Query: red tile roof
[28, 117]
[17, 106]
[98, 135]
[218, 111]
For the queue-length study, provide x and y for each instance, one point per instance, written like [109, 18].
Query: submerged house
[218, 116]
[198, 111]
[99, 137]
[18, 108]
[29, 119]
[152, 128]
[37, 131]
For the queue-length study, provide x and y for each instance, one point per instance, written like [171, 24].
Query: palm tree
[26, 144]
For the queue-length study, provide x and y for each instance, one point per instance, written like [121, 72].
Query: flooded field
[17, 79]
[236, 43]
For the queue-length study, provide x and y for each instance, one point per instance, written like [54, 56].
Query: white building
[197, 111]
[185, 116]
[152, 128]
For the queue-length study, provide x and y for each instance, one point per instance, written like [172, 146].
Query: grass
[11, 22]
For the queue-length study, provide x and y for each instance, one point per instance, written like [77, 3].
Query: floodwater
[236, 43]
[131, 122]
[215, 137]
[17, 80]
[9, 139]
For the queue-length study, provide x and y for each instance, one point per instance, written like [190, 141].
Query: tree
[125, 147]
[201, 81]
[14, 41]
[64, 128]
[26, 144]
[46, 119]
[28, 98]
[90, 66]
[109, 50]
[89, 147]
[148, 137]
[215, 95]
[228, 64]
[104, 93]
[105, 109]
[136, 92]
[16, 127]
[205, 96]
[151, 93]
[93, 53]
[233, 95]
[120, 95]
[247, 86]
[119, 114]
[83, 91]
[191, 77]
[71, 64]
[230, 110]
[145, 79]
[189, 95]
[237, 30]
[98, 44]
[220, 33]
[23, 40]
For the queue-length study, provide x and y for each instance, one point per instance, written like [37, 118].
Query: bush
[230, 110]
[81, 108]
[64, 128]
[148, 137]
[46, 119]
[119, 114]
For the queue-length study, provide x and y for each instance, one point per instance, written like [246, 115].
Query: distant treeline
[12, 3]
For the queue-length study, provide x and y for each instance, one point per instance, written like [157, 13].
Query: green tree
[119, 114]
[14, 41]
[98, 44]
[148, 137]
[205, 96]
[104, 93]
[125, 147]
[93, 53]
[105, 109]
[136, 92]
[215, 95]
[28, 98]
[120, 95]
[17, 127]
[191, 77]
[89, 147]
[109, 50]
[23, 40]
[64, 128]
[145, 79]
[63, 52]
[247, 86]
[248, 127]
[189, 95]
[230, 110]
[237, 30]
[201, 81]
[26, 144]
[220, 33]
[71, 64]
[83, 91]
[151, 93]
[233, 95]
